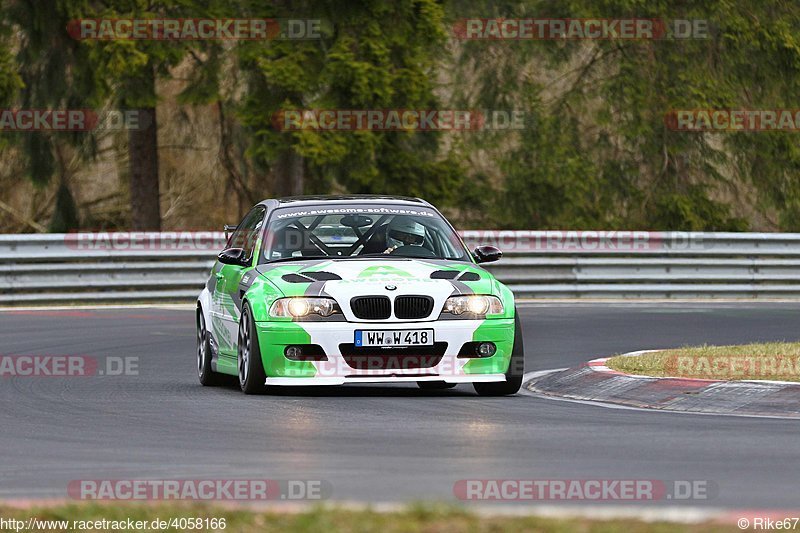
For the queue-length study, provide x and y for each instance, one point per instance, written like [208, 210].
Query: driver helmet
[403, 231]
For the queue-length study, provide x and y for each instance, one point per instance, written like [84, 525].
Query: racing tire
[205, 373]
[435, 385]
[248, 355]
[515, 370]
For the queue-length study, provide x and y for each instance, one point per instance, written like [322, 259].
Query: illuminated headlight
[302, 307]
[473, 305]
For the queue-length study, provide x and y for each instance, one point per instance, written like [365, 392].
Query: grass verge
[761, 361]
[414, 518]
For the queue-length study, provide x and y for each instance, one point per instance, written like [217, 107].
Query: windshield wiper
[396, 256]
[299, 258]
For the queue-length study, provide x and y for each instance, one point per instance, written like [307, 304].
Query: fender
[204, 301]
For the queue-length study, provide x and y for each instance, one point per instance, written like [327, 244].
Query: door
[227, 302]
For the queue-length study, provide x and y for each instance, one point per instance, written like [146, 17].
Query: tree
[53, 74]
[599, 153]
[370, 56]
[131, 70]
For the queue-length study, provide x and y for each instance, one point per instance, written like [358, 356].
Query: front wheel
[251, 370]
[514, 373]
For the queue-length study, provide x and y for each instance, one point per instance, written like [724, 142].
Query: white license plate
[394, 337]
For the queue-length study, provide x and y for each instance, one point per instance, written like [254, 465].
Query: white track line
[178, 307]
[627, 302]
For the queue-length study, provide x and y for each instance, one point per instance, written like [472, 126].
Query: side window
[246, 235]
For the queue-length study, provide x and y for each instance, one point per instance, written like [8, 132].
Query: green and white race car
[356, 289]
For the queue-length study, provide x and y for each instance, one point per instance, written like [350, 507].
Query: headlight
[473, 305]
[303, 307]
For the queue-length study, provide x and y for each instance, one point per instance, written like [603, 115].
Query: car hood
[345, 278]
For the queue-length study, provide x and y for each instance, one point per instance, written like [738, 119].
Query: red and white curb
[596, 383]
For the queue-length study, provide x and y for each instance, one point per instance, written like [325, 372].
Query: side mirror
[229, 228]
[232, 256]
[487, 254]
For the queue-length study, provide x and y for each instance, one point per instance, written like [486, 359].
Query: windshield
[346, 231]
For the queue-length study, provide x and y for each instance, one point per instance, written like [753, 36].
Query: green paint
[500, 332]
[273, 339]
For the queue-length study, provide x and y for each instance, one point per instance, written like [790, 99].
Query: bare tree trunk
[289, 173]
[65, 211]
[295, 173]
[143, 161]
[228, 158]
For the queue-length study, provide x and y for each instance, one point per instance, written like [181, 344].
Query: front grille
[371, 307]
[411, 307]
[406, 358]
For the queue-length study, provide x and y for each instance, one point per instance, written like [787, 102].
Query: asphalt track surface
[381, 444]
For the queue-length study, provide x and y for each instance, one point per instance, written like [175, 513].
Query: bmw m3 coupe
[356, 289]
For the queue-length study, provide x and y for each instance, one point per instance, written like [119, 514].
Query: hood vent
[322, 276]
[454, 274]
[296, 278]
[310, 277]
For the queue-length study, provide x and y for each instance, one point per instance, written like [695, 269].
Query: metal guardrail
[173, 266]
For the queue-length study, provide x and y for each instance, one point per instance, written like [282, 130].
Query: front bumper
[338, 369]
[309, 382]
